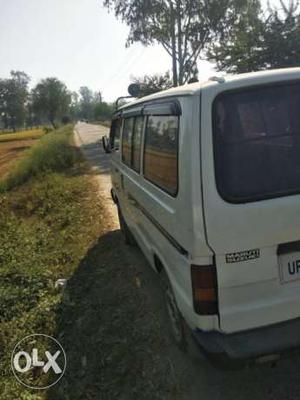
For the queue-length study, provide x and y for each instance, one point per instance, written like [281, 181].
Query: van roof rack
[219, 79]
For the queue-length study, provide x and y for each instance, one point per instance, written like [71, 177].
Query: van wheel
[176, 322]
[128, 236]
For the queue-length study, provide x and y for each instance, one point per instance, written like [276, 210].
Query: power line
[125, 67]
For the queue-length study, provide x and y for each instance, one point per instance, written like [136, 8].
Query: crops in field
[22, 135]
[52, 153]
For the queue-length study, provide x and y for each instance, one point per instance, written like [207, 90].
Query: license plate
[289, 267]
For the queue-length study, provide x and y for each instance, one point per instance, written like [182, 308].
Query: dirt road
[193, 377]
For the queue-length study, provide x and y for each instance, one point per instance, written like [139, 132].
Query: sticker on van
[242, 256]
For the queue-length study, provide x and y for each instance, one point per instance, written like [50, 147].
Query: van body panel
[248, 241]
[272, 340]
[251, 293]
[154, 216]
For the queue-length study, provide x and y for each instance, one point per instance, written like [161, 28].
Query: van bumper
[251, 344]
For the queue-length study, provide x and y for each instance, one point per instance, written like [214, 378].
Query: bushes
[66, 120]
[53, 153]
[48, 129]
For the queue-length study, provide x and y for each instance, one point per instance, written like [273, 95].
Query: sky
[78, 42]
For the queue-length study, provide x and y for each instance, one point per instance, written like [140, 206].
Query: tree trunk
[173, 39]
[13, 123]
[174, 63]
[179, 34]
[52, 121]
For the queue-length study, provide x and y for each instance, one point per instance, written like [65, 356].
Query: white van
[206, 178]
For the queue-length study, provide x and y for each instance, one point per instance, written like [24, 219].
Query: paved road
[88, 137]
[200, 379]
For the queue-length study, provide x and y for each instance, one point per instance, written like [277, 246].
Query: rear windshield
[257, 142]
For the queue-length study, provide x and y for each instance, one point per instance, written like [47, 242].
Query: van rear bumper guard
[273, 339]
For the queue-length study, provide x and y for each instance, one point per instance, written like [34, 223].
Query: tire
[177, 326]
[128, 236]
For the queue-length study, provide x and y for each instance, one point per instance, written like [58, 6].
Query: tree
[260, 40]
[183, 27]
[51, 99]
[86, 102]
[103, 111]
[153, 83]
[75, 106]
[13, 99]
[282, 36]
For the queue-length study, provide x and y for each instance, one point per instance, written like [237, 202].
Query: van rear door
[250, 141]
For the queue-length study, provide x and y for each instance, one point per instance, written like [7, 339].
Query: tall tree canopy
[260, 40]
[13, 99]
[282, 36]
[103, 111]
[51, 99]
[152, 83]
[86, 102]
[183, 27]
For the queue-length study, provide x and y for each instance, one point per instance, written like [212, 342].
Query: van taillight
[205, 289]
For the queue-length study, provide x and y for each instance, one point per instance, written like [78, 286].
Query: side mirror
[106, 144]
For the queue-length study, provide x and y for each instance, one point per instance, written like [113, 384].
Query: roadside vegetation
[45, 230]
[52, 153]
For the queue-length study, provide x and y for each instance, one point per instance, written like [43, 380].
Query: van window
[136, 143]
[115, 132]
[127, 140]
[257, 142]
[161, 152]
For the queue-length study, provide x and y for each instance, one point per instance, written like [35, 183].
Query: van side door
[114, 138]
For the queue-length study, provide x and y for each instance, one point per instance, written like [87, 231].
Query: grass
[21, 135]
[45, 230]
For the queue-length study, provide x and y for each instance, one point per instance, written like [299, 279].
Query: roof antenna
[134, 89]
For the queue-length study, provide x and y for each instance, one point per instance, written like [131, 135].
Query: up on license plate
[289, 267]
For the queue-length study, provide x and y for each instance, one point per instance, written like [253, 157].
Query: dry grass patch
[22, 135]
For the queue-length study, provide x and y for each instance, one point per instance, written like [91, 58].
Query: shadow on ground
[112, 329]
[97, 158]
